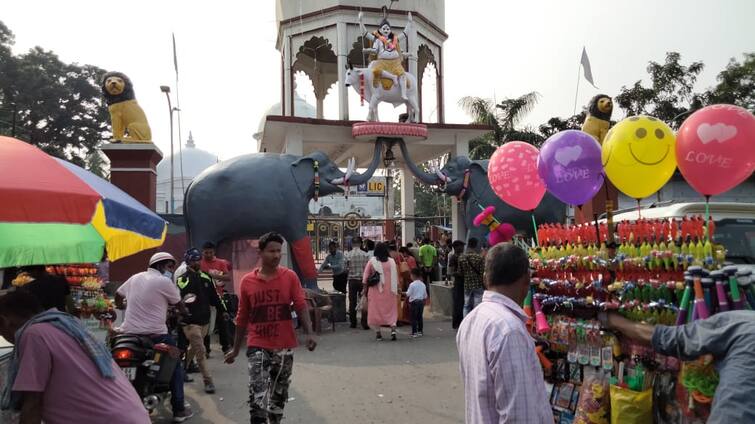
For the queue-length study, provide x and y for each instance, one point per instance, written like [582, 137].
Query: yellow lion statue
[598, 117]
[128, 119]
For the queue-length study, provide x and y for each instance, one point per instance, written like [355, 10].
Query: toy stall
[669, 274]
[658, 271]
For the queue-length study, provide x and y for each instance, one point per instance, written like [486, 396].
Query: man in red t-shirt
[265, 300]
[220, 271]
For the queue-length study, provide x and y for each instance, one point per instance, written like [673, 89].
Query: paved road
[351, 378]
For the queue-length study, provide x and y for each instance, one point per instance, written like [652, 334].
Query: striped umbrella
[54, 212]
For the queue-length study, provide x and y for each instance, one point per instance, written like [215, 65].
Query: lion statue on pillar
[598, 118]
[128, 119]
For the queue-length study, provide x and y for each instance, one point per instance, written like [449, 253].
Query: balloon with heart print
[512, 172]
[715, 148]
[569, 165]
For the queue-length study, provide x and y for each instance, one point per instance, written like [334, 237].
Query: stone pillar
[288, 79]
[342, 51]
[407, 205]
[294, 143]
[458, 226]
[133, 169]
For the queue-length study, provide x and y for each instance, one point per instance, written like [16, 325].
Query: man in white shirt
[148, 295]
[503, 381]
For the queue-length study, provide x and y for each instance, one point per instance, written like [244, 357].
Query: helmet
[192, 255]
[161, 256]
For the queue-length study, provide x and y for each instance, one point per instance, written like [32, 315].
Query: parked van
[735, 224]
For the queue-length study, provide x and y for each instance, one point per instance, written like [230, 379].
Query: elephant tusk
[338, 181]
[443, 177]
[350, 169]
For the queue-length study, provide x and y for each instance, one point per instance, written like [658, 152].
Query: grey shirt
[730, 338]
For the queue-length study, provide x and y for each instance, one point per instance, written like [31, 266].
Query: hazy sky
[230, 70]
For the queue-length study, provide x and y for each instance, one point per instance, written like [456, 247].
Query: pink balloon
[512, 172]
[715, 148]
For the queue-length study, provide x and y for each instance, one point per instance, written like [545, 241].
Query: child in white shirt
[416, 295]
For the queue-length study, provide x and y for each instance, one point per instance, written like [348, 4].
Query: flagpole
[574, 112]
[178, 111]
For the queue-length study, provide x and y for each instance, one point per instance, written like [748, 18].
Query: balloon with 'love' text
[569, 165]
[715, 148]
[512, 172]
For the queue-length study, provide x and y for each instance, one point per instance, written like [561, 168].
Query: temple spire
[190, 141]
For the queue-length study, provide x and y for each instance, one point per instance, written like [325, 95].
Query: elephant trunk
[425, 177]
[357, 178]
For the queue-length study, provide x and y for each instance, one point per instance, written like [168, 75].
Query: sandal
[379, 337]
[393, 335]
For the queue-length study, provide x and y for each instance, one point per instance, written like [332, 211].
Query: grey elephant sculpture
[250, 195]
[476, 192]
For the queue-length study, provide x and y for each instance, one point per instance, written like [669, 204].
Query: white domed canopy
[194, 162]
[301, 109]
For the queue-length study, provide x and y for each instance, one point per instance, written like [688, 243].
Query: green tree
[503, 119]
[670, 96]
[556, 124]
[57, 106]
[736, 84]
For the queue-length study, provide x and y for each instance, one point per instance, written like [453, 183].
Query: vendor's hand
[231, 356]
[311, 343]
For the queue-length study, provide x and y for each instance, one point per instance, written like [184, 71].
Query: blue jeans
[472, 298]
[177, 381]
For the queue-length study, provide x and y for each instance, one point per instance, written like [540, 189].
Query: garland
[389, 45]
[464, 186]
[316, 167]
[361, 89]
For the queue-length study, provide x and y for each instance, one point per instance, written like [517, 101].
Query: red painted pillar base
[133, 169]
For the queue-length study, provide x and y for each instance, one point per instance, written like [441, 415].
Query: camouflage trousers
[269, 378]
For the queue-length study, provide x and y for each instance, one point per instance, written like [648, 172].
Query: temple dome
[194, 162]
[301, 109]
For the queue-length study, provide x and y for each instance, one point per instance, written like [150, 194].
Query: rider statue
[387, 50]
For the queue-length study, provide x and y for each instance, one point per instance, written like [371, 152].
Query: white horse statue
[385, 80]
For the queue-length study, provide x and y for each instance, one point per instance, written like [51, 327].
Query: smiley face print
[639, 155]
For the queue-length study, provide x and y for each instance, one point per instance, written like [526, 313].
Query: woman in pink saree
[382, 304]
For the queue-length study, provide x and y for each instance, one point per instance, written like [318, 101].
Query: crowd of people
[56, 362]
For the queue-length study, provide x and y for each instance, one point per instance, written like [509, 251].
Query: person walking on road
[58, 372]
[220, 271]
[265, 300]
[471, 265]
[458, 283]
[356, 260]
[200, 284]
[416, 295]
[382, 305]
[336, 262]
[503, 380]
[428, 258]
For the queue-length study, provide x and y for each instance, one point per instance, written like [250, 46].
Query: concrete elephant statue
[250, 195]
[477, 192]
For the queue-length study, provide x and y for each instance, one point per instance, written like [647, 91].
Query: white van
[735, 224]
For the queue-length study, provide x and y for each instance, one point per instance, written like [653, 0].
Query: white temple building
[187, 164]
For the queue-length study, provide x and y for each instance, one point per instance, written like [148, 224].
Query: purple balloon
[570, 166]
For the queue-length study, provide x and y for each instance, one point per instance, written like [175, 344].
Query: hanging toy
[541, 323]
[497, 232]
[316, 167]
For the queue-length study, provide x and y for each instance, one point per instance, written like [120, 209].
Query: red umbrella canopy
[36, 188]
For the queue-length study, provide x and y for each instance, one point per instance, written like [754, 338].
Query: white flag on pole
[585, 61]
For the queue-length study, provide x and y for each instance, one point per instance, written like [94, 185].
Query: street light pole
[165, 89]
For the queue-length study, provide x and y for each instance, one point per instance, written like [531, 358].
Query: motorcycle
[149, 365]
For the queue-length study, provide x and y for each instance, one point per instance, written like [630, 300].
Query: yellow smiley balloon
[639, 155]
